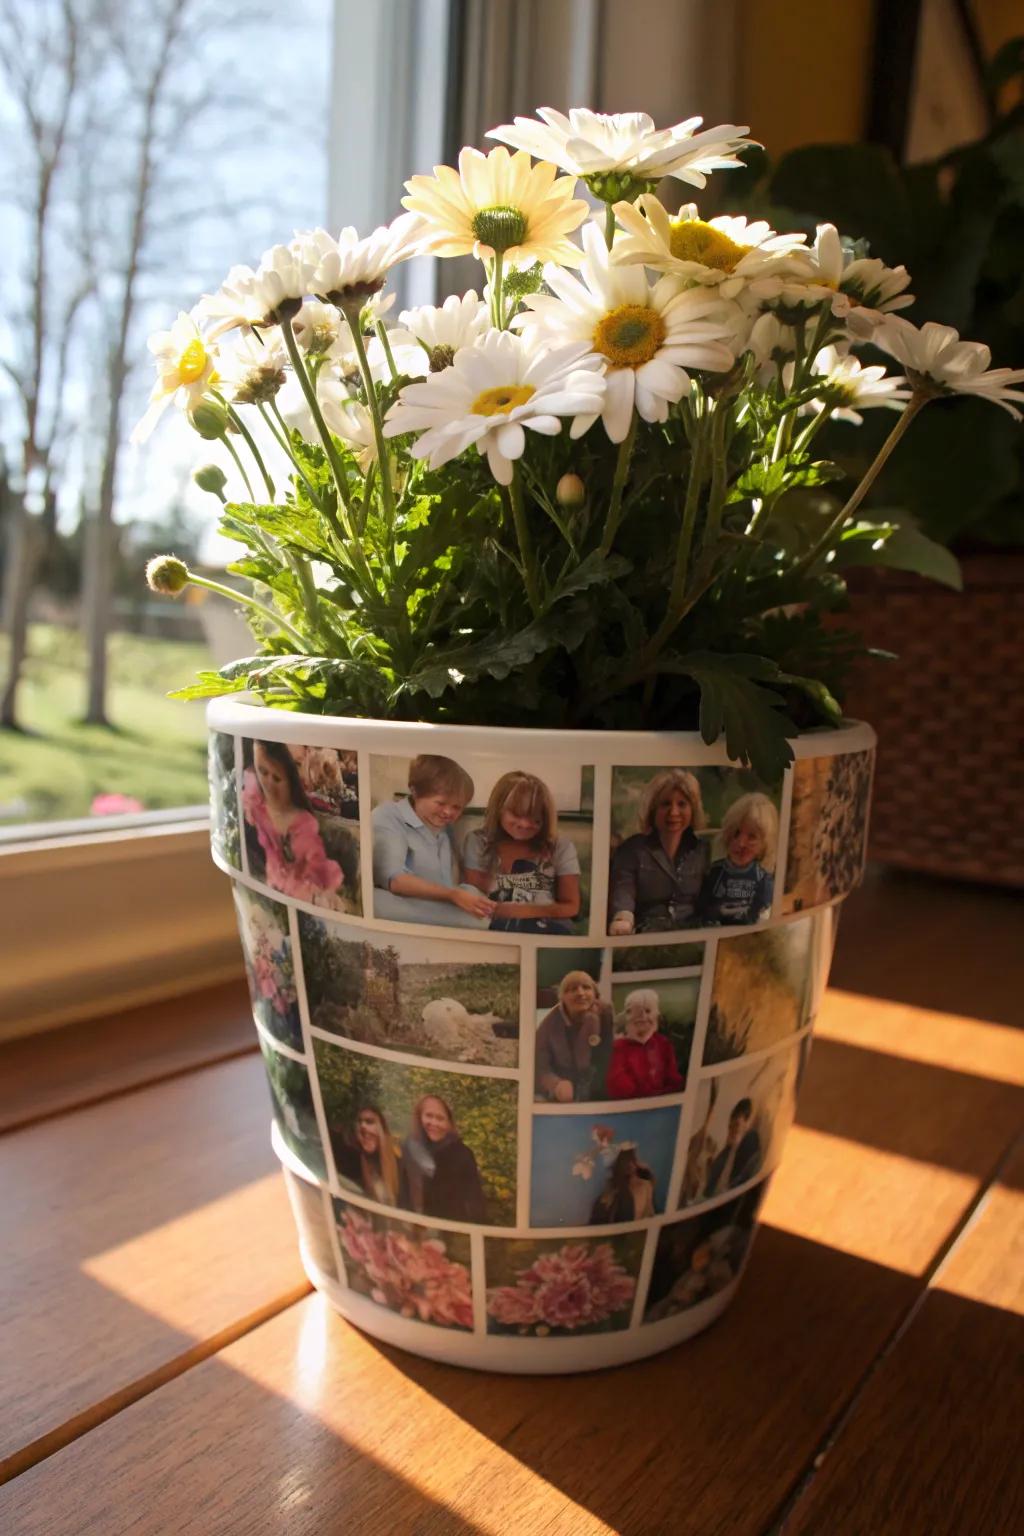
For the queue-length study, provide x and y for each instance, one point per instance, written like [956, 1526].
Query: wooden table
[164, 1369]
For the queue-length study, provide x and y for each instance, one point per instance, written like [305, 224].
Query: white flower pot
[480, 1172]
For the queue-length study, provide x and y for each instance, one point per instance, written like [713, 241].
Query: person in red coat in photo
[643, 1062]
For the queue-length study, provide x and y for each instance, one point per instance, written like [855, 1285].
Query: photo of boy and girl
[698, 1258]
[588, 1173]
[440, 1144]
[500, 850]
[632, 1044]
[669, 870]
[741, 1121]
[301, 811]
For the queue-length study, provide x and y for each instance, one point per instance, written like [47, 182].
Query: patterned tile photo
[827, 828]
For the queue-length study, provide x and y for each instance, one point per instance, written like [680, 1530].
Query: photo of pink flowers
[550, 1288]
[267, 953]
[300, 807]
[691, 848]
[418, 1272]
[482, 843]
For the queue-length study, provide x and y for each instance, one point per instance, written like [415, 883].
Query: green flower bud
[570, 492]
[441, 358]
[210, 477]
[618, 186]
[500, 228]
[167, 574]
[529, 280]
[210, 419]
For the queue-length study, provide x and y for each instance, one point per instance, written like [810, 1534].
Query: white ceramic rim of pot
[598, 748]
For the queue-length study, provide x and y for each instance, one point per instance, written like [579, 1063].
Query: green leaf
[209, 685]
[899, 547]
[593, 571]
[734, 702]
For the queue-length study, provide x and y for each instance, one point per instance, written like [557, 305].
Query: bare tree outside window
[147, 145]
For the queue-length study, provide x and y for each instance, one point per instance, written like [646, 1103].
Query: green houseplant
[539, 769]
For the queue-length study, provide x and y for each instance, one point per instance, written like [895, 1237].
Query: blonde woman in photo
[657, 874]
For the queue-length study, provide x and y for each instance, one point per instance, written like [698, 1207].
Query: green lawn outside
[156, 750]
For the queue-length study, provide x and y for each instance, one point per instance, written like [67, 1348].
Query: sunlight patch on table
[993, 1051]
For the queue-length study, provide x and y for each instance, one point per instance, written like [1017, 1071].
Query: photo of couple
[301, 807]
[625, 1042]
[741, 1121]
[440, 1144]
[479, 845]
[428, 996]
[691, 848]
[698, 1258]
[598, 1173]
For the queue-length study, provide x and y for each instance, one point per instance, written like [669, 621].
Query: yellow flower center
[693, 240]
[630, 335]
[501, 399]
[192, 362]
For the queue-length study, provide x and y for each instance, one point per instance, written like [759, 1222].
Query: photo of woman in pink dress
[285, 836]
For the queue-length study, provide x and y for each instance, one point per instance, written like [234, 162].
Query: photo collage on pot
[558, 1116]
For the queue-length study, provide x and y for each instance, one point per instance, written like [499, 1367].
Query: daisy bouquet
[592, 480]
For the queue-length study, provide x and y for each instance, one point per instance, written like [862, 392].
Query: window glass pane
[174, 139]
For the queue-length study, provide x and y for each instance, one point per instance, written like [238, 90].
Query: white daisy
[443, 331]
[598, 145]
[772, 345]
[349, 270]
[861, 289]
[729, 253]
[491, 393]
[498, 204]
[348, 419]
[318, 327]
[939, 363]
[186, 367]
[249, 299]
[853, 388]
[254, 370]
[646, 337]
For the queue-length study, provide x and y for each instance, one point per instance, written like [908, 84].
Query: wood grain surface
[83, 1063]
[934, 1441]
[145, 1225]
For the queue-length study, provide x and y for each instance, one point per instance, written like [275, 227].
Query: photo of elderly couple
[697, 1258]
[741, 1120]
[598, 1038]
[691, 848]
[440, 1144]
[300, 806]
[479, 844]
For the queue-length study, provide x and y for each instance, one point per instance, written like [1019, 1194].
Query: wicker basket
[950, 718]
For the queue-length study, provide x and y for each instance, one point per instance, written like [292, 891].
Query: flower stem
[280, 434]
[835, 527]
[382, 336]
[514, 494]
[337, 468]
[229, 445]
[622, 463]
[609, 225]
[716, 498]
[497, 285]
[383, 466]
[237, 422]
[254, 603]
[682, 563]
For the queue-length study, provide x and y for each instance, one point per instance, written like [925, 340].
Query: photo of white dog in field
[455, 1031]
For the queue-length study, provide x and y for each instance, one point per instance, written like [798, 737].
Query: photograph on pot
[307, 1203]
[657, 957]
[294, 1115]
[441, 1144]
[828, 827]
[428, 996]
[762, 990]
[741, 1120]
[697, 1258]
[225, 833]
[267, 953]
[589, 1172]
[561, 1287]
[301, 811]
[691, 848]
[481, 843]
[598, 1040]
[419, 1272]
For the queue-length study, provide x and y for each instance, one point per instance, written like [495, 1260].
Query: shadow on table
[933, 943]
